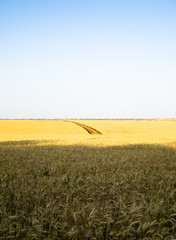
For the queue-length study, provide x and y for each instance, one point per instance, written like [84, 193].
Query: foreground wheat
[81, 192]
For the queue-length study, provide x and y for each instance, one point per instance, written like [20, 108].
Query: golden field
[57, 181]
[114, 132]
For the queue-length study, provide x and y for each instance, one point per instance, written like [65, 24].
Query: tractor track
[89, 129]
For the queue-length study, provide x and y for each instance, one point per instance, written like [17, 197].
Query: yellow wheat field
[87, 179]
[113, 132]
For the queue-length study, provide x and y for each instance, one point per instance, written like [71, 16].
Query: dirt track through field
[89, 129]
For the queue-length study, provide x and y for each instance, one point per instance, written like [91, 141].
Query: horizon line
[172, 118]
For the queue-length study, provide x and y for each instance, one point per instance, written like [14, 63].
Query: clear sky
[87, 59]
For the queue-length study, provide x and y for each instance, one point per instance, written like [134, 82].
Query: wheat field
[87, 179]
[114, 132]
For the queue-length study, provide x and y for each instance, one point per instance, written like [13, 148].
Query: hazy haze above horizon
[88, 59]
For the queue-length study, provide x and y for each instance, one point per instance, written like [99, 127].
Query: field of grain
[113, 132]
[87, 179]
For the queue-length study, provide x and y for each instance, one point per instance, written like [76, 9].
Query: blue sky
[87, 59]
